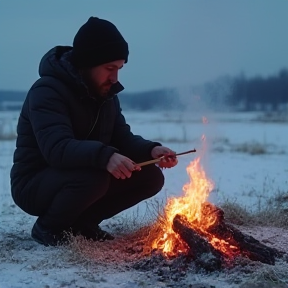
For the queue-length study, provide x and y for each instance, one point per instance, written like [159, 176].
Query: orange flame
[190, 205]
[196, 193]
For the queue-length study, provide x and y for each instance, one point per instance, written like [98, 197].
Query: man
[75, 158]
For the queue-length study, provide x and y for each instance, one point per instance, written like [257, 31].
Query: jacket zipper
[96, 120]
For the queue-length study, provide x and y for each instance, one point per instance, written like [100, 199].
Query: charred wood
[232, 239]
[248, 246]
[201, 251]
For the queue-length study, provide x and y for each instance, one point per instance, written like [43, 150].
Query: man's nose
[114, 77]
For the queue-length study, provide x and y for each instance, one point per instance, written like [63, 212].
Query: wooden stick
[186, 152]
[159, 159]
[150, 161]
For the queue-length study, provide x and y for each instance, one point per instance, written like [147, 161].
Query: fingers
[137, 167]
[124, 168]
[121, 172]
[168, 162]
[119, 175]
[168, 153]
[169, 157]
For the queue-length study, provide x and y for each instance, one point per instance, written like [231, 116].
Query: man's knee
[91, 181]
[83, 184]
[154, 179]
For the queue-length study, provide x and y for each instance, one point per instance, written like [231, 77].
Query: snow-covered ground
[246, 159]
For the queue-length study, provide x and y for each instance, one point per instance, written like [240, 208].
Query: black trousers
[64, 198]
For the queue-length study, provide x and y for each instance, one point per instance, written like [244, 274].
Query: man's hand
[169, 160]
[121, 167]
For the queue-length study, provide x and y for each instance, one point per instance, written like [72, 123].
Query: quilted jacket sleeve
[49, 116]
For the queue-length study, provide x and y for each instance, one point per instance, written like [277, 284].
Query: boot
[48, 237]
[92, 232]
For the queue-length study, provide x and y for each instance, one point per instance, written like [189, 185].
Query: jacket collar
[116, 88]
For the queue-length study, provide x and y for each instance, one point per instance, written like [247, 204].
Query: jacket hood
[57, 63]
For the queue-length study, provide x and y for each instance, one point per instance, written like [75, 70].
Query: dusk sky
[172, 43]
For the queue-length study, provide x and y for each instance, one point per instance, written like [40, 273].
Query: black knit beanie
[97, 42]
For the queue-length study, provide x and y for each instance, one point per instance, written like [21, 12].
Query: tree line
[238, 93]
[259, 93]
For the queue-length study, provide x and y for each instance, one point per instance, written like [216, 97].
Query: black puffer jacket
[62, 126]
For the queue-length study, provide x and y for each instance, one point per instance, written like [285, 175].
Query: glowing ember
[196, 193]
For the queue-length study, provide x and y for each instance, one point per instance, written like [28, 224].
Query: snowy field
[247, 160]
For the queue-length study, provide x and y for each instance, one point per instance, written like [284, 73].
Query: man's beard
[100, 90]
[104, 89]
[95, 89]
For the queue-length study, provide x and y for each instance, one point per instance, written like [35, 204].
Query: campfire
[194, 227]
[188, 207]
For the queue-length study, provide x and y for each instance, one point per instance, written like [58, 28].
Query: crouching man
[75, 157]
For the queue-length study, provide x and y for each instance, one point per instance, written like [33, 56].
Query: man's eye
[110, 68]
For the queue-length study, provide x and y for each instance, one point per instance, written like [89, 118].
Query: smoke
[209, 97]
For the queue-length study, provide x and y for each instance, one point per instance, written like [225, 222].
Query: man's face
[102, 77]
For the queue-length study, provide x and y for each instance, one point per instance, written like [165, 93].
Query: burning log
[248, 246]
[200, 229]
[230, 240]
[205, 255]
